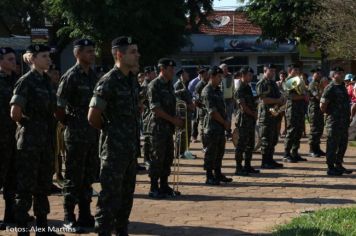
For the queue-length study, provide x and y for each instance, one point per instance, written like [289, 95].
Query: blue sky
[226, 4]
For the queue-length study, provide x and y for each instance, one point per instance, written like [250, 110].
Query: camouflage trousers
[336, 144]
[316, 120]
[162, 155]
[34, 179]
[118, 179]
[295, 127]
[215, 149]
[81, 166]
[269, 135]
[246, 142]
[8, 171]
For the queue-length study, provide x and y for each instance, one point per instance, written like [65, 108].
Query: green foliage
[330, 222]
[282, 19]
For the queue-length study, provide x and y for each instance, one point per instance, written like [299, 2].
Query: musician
[335, 102]
[268, 92]
[295, 110]
[316, 117]
[183, 94]
[245, 123]
[161, 128]
[214, 128]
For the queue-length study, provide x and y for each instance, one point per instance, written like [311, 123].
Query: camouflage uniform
[117, 96]
[316, 117]
[245, 125]
[161, 95]
[214, 132]
[337, 122]
[295, 111]
[34, 136]
[268, 124]
[201, 110]
[182, 93]
[145, 120]
[7, 146]
[74, 93]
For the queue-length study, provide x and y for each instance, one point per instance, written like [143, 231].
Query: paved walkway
[248, 206]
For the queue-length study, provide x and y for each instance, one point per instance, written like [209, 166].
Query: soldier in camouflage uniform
[183, 94]
[150, 74]
[161, 127]
[7, 132]
[114, 109]
[335, 102]
[73, 96]
[295, 111]
[215, 125]
[316, 117]
[200, 104]
[245, 123]
[268, 92]
[32, 107]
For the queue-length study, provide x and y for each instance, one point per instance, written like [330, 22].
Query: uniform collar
[120, 74]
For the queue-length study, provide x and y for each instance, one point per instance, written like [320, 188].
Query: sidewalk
[249, 206]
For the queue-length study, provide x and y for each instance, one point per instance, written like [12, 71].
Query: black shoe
[86, 221]
[251, 170]
[343, 170]
[140, 168]
[276, 164]
[321, 153]
[334, 172]
[289, 159]
[169, 192]
[156, 194]
[55, 189]
[241, 172]
[71, 226]
[223, 178]
[314, 154]
[122, 231]
[298, 157]
[268, 166]
[212, 181]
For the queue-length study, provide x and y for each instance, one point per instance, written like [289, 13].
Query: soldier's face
[152, 75]
[270, 73]
[131, 57]
[249, 77]
[42, 61]
[294, 72]
[339, 76]
[317, 75]
[185, 76]
[87, 55]
[8, 63]
[168, 72]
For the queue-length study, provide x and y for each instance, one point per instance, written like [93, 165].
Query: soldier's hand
[178, 122]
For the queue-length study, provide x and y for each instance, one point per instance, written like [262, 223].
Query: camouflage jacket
[33, 93]
[266, 88]
[74, 93]
[244, 94]
[182, 93]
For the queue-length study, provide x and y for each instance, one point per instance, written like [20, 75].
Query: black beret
[6, 50]
[166, 62]
[83, 43]
[36, 48]
[338, 69]
[215, 70]
[293, 66]
[148, 69]
[202, 69]
[316, 69]
[122, 41]
[180, 72]
[246, 69]
[270, 66]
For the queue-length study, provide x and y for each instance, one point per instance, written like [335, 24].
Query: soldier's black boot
[210, 179]
[23, 229]
[69, 219]
[273, 162]
[165, 189]
[297, 157]
[266, 163]
[333, 171]
[9, 217]
[154, 189]
[321, 152]
[314, 151]
[342, 169]
[85, 218]
[240, 171]
[221, 177]
[248, 168]
[289, 158]
[41, 223]
[123, 231]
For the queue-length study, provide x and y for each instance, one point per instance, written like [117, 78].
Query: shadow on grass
[305, 232]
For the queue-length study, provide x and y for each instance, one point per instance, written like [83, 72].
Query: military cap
[166, 62]
[316, 69]
[202, 69]
[348, 77]
[246, 69]
[36, 48]
[270, 66]
[6, 50]
[293, 66]
[122, 41]
[180, 72]
[83, 43]
[338, 69]
[148, 69]
[215, 70]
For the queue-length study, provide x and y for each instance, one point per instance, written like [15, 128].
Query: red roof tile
[236, 23]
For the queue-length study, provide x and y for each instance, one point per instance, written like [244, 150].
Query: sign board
[39, 36]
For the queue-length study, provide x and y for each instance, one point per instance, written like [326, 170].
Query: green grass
[329, 222]
[352, 143]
